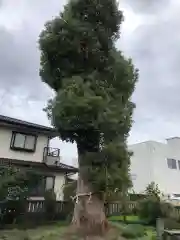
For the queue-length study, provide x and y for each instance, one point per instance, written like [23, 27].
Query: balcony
[51, 156]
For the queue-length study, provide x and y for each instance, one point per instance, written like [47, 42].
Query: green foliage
[152, 206]
[69, 190]
[153, 190]
[150, 209]
[16, 183]
[15, 187]
[93, 83]
[136, 197]
[50, 204]
[133, 231]
[11, 211]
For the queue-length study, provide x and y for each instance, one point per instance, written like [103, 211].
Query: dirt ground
[53, 232]
[112, 234]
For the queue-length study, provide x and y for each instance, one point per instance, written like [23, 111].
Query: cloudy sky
[150, 35]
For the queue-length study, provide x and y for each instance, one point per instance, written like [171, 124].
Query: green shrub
[133, 231]
[136, 197]
[50, 204]
[151, 208]
[69, 189]
[12, 210]
[135, 210]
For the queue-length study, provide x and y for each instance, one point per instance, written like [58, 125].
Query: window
[50, 183]
[179, 164]
[177, 195]
[24, 142]
[171, 163]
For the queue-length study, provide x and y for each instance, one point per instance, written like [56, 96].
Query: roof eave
[51, 132]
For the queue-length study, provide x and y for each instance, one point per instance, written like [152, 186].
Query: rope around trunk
[76, 197]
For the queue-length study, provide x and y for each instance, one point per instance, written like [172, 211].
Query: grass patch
[52, 232]
[132, 231]
[131, 218]
[151, 233]
[60, 231]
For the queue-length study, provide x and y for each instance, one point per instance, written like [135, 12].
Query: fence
[175, 213]
[34, 212]
[115, 208]
[35, 206]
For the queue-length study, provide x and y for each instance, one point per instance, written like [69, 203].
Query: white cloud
[150, 34]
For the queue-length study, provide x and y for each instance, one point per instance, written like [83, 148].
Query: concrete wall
[149, 163]
[141, 165]
[167, 179]
[6, 152]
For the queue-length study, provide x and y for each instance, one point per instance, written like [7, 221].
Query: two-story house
[156, 162]
[26, 144]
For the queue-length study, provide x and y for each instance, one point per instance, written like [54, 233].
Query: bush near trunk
[69, 191]
[152, 207]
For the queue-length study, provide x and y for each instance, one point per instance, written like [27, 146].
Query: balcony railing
[51, 156]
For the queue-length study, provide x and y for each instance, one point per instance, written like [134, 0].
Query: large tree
[92, 106]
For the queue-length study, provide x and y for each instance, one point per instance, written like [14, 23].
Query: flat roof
[172, 138]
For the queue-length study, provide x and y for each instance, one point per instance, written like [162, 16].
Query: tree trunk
[89, 215]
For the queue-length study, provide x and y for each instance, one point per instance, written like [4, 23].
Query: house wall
[37, 156]
[150, 164]
[167, 179]
[58, 186]
[6, 152]
[141, 166]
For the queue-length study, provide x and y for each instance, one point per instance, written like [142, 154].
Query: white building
[27, 145]
[156, 162]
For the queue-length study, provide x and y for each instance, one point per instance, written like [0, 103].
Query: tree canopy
[93, 83]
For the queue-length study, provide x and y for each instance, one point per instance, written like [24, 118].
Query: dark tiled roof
[39, 165]
[10, 120]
